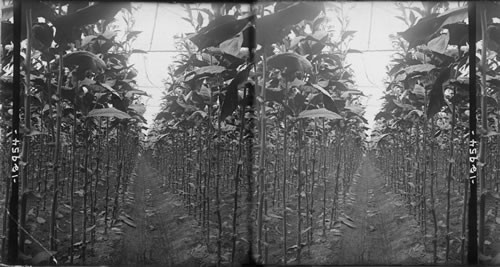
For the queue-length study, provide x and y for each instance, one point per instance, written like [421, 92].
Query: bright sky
[369, 67]
[374, 22]
[152, 67]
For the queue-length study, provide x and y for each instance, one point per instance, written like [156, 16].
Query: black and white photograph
[269, 133]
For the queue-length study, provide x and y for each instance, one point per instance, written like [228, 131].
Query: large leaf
[327, 99]
[108, 112]
[297, 103]
[436, 95]
[66, 25]
[221, 29]
[272, 28]
[103, 88]
[233, 45]
[7, 32]
[429, 26]
[311, 44]
[383, 114]
[293, 63]
[164, 115]
[138, 108]
[492, 9]
[439, 44]
[84, 60]
[418, 69]
[101, 44]
[320, 113]
[203, 72]
[43, 35]
[38, 9]
[321, 89]
[215, 56]
[459, 33]
[231, 98]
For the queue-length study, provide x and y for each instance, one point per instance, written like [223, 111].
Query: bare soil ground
[163, 234]
[376, 230]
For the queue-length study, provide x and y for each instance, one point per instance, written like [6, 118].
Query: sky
[374, 22]
[369, 67]
[152, 67]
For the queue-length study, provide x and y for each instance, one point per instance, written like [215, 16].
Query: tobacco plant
[75, 93]
[422, 128]
[276, 105]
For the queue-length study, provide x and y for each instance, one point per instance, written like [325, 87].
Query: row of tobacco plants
[422, 138]
[261, 130]
[80, 130]
[488, 132]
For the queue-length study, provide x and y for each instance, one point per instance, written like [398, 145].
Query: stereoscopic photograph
[249, 133]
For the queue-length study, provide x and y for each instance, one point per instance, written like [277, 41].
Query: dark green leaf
[67, 24]
[272, 28]
[218, 31]
[231, 98]
[327, 98]
[293, 63]
[427, 27]
[84, 60]
[436, 95]
[459, 33]
[43, 35]
[204, 71]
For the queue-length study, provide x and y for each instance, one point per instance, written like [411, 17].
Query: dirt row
[156, 230]
[383, 232]
[376, 228]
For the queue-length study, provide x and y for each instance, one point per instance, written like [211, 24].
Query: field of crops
[262, 151]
